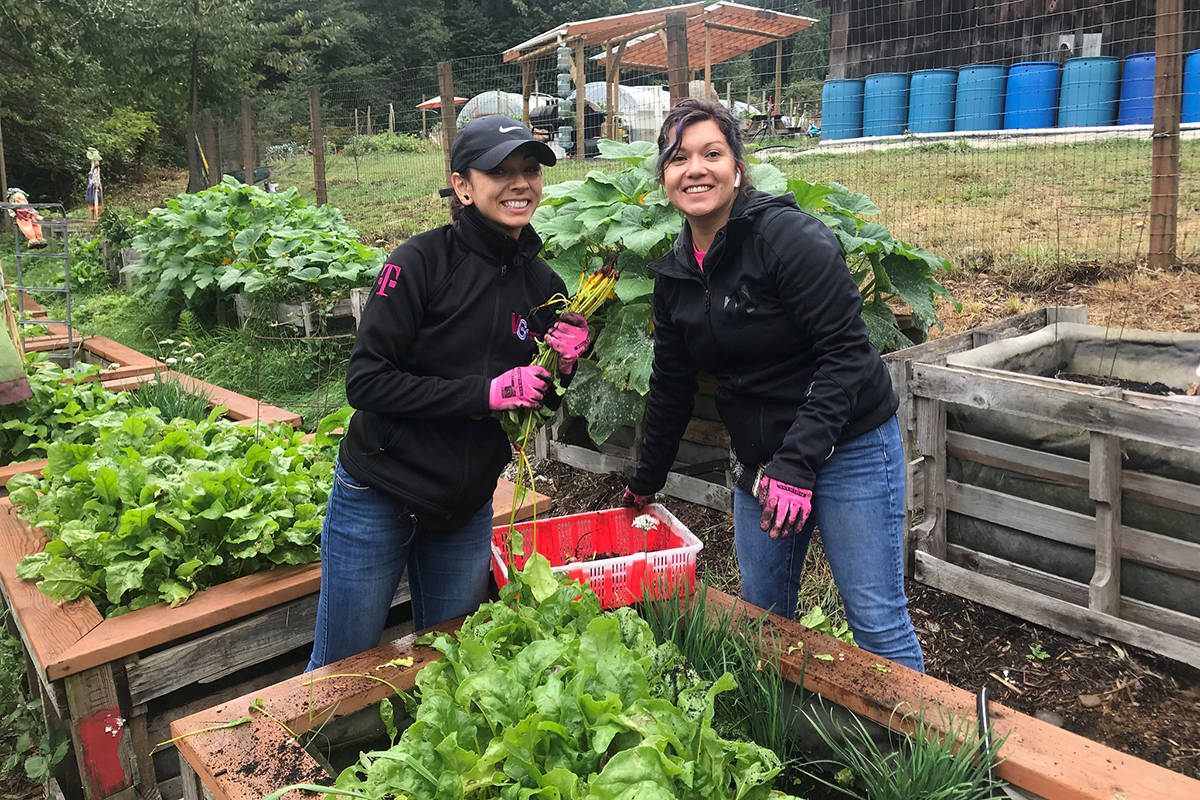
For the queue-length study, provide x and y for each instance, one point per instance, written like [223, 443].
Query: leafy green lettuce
[151, 511]
[540, 695]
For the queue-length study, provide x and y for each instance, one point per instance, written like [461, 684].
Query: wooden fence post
[208, 139]
[449, 124]
[197, 176]
[580, 102]
[3, 172]
[677, 55]
[391, 118]
[369, 130]
[247, 142]
[1104, 486]
[318, 144]
[526, 85]
[1164, 163]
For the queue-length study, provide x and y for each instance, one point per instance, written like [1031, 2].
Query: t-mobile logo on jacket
[387, 279]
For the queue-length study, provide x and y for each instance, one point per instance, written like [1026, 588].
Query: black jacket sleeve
[825, 303]
[669, 403]
[376, 378]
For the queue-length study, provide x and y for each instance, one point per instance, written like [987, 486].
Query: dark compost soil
[1130, 700]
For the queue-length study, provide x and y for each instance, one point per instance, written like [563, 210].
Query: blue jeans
[367, 542]
[858, 503]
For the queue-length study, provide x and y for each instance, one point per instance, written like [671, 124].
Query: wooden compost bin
[953, 412]
[115, 684]
[253, 759]
[700, 473]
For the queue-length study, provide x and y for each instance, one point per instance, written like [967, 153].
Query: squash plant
[235, 238]
[625, 218]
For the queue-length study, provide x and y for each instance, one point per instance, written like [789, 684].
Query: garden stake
[985, 726]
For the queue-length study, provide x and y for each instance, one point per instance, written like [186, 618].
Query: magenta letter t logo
[387, 279]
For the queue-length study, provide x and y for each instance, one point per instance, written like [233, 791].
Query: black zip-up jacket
[453, 308]
[774, 316]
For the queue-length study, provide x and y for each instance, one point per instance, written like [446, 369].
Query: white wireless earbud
[737, 181]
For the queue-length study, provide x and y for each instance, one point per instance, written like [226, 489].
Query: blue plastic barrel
[885, 104]
[1137, 90]
[1191, 87]
[979, 100]
[1089, 91]
[1031, 98]
[842, 109]
[931, 100]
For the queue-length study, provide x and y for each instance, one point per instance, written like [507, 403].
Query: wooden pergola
[657, 41]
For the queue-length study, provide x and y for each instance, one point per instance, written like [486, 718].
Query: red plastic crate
[665, 555]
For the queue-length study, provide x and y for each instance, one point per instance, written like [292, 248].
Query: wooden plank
[147, 784]
[1104, 487]
[113, 351]
[683, 487]
[240, 407]
[102, 740]
[21, 468]
[212, 656]
[1051, 612]
[1133, 416]
[1168, 620]
[318, 144]
[303, 703]
[1140, 486]
[1037, 757]
[937, 349]
[160, 624]
[931, 444]
[1069, 527]
[47, 628]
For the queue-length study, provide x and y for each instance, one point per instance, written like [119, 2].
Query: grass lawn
[1026, 208]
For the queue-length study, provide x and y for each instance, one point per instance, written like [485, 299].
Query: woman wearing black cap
[446, 339]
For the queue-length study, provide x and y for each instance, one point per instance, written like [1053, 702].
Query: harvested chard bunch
[522, 424]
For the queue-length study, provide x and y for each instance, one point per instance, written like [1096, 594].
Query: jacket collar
[680, 263]
[484, 238]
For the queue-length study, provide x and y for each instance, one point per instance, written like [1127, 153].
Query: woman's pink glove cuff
[520, 387]
[785, 507]
[569, 338]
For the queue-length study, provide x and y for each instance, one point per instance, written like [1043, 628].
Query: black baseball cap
[484, 142]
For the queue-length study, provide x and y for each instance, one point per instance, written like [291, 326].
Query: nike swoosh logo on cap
[509, 128]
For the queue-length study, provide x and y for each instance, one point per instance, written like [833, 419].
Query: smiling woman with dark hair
[446, 338]
[756, 292]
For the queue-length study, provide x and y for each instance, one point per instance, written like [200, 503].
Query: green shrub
[236, 238]
[26, 748]
[125, 138]
[385, 143]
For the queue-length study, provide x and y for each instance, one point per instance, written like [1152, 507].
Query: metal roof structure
[597, 32]
[717, 33]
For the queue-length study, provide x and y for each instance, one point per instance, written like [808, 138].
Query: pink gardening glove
[785, 507]
[569, 338]
[632, 499]
[520, 387]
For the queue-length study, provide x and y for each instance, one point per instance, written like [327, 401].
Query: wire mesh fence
[1017, 135]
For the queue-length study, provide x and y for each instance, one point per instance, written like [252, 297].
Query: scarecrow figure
[95, 190]
[28, 220]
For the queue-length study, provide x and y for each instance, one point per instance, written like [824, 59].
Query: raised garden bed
[257, 757]
[1070, 505]
[114, 684]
